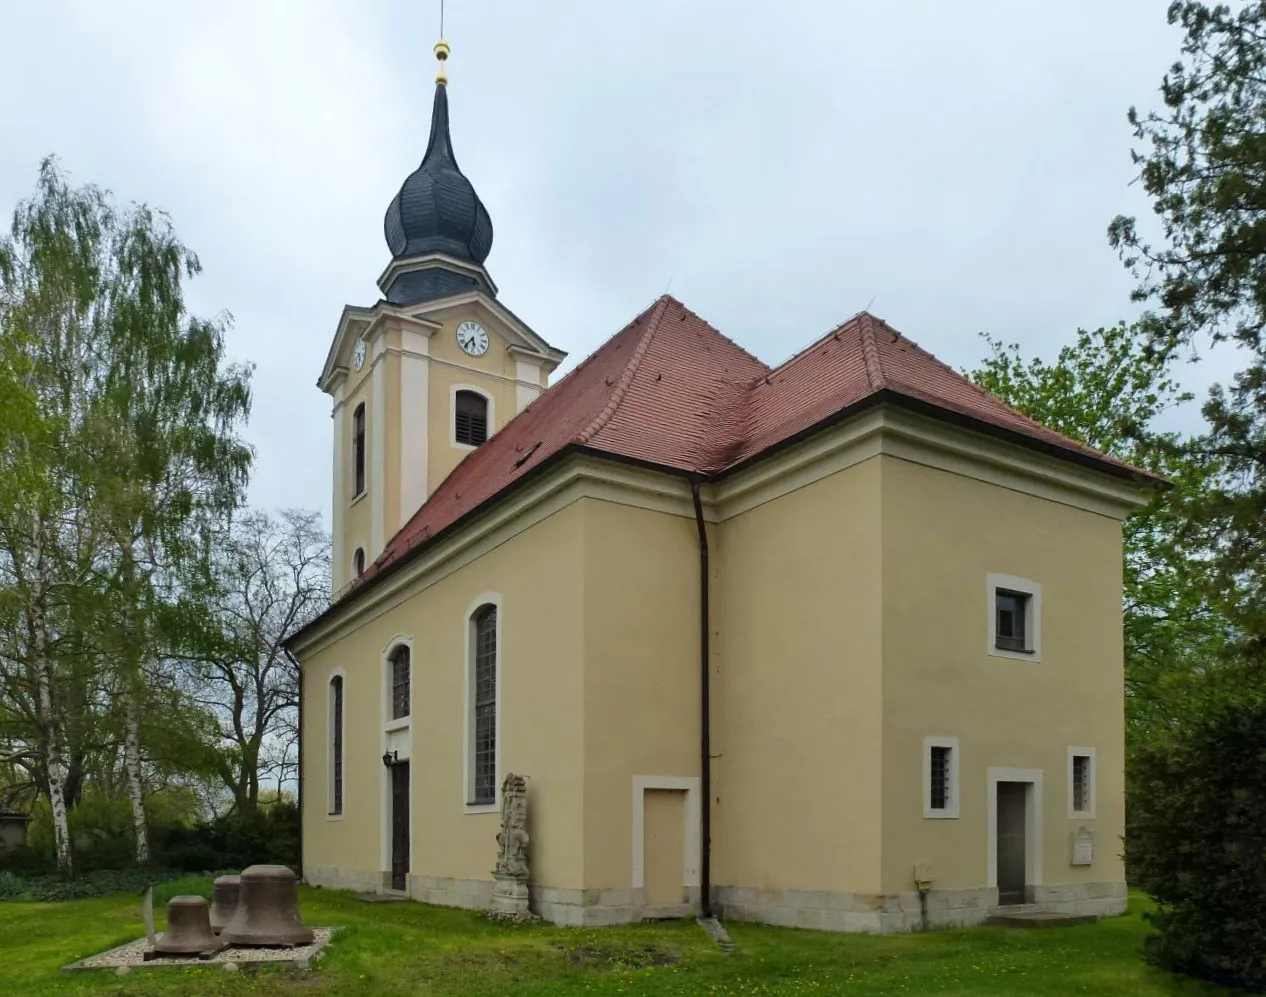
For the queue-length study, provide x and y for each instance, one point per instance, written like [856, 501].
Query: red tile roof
[670, 391]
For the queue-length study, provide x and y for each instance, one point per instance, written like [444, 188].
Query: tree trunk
[133, 693]
[48, 718]
[56, 766]
[132, 768]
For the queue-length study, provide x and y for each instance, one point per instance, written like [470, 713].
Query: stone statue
[513, 840]
[510, 889]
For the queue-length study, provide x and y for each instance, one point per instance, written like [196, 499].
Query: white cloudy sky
[951, 165]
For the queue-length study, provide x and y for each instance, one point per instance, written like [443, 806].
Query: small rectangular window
[1010, 631]
[940, 777]
[940, 784]
[1081, 783]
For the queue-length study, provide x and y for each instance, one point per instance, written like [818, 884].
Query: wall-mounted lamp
[389, 758]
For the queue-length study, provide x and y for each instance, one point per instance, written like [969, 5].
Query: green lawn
[407, 948]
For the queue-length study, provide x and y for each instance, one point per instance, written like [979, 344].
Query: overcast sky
[951, 166]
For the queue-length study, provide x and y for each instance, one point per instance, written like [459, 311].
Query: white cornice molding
[367, 323]
[884, 430]
[896, 432]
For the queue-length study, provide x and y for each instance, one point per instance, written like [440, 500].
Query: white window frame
[360, 549]
[1091, 787]
[452, 413]
[468, 754]
[951, 811]
[1032, 616]
[399, 640]
[329, 740]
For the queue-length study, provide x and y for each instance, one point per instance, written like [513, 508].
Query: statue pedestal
[509, 894]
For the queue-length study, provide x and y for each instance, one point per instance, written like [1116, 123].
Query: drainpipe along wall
[705, 715]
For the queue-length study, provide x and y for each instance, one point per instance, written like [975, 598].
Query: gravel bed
[133, 954]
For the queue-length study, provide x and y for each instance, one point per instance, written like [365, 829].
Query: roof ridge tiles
[832, 333]
[626, 376]
[874, 369]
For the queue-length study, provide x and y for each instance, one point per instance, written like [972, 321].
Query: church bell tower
[435, 367]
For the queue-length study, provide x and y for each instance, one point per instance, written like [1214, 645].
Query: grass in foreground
[407, 948]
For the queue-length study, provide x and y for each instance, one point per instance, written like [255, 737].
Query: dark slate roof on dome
[437, 209]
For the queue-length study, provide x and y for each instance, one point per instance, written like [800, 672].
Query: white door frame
[1032, 823]
[690, 784]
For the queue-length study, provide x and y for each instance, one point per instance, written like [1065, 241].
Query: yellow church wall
[537, 577]
[641, 651]
[796, 689]
[942, 534]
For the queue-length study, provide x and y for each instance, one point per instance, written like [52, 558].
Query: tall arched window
[470, 418]
[358, 450]
[358, 561]
[400, 682]
[483, 686]
[336, 744]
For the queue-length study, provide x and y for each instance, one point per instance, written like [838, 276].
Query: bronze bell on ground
[267, 910]
[188, 928]
[224, 901]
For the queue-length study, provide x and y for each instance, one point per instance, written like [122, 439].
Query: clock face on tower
[358, 354]
[472, 338]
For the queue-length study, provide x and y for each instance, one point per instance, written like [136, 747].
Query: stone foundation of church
[826, 910]
[821, 910]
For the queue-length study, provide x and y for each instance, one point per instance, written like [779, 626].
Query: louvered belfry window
[336, 708]
[485, 685]
[471, 427]
[939, 797]
[399, 683]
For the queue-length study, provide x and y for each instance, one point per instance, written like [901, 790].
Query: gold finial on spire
[441, 53]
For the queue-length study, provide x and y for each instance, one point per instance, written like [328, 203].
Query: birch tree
[136, 448]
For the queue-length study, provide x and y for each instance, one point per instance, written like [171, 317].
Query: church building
[835, 644]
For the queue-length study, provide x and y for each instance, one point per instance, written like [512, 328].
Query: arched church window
[400, 682]
[358, 450]
[471, 418]
[483, 684]
[358, 561]
[336, 744]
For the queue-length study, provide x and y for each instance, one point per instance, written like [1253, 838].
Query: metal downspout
[705, 715]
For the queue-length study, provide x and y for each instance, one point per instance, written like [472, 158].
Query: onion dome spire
[436, 209]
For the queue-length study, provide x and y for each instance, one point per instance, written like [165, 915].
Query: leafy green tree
[130, 460]
[1195, 844]
[164, 411]
[1204, 165]
[1197, 824]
